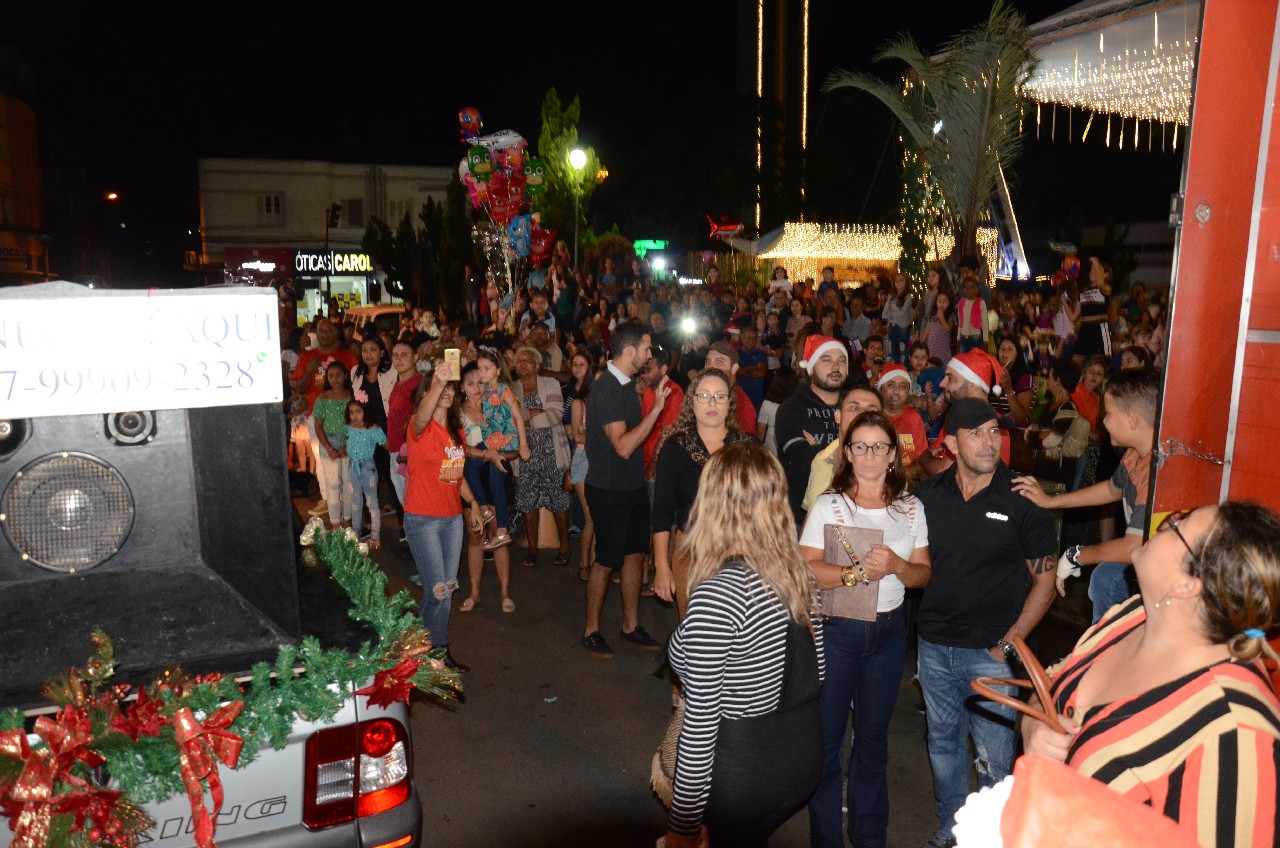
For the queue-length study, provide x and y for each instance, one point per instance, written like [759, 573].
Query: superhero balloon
[479, 163]
[1071, 266]
[535, 177]
[518, 233]
[540, 244]
[471, 123]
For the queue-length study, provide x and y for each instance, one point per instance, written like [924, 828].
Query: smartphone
[453, 358]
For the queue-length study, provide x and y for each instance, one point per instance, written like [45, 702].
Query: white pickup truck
[144, 491]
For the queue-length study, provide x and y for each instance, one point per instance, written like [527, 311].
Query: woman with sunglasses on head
[707, 421]
[1166, 699]
[864, 656]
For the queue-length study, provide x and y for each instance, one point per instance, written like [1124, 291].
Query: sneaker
[597, 646]
[940, 841]
[640, 638]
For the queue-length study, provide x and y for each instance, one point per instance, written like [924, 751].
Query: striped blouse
[729, 652]
[1204, 749]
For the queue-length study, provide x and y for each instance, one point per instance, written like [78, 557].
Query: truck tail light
[355, 770]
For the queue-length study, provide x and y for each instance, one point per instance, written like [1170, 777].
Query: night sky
[148, 88]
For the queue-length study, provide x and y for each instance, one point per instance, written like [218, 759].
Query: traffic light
[335, 211]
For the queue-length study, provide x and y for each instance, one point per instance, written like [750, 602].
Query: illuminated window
[270, 210]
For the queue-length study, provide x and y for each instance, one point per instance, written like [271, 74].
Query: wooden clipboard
[856, 602]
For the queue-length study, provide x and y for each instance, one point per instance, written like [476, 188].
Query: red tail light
[355, 770]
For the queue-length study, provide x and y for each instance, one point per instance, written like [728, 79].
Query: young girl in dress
[330, 413]
[503, 431]
[363, 438]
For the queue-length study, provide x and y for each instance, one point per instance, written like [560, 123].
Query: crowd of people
[825, 478]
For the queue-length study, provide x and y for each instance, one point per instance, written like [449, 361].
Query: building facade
[298, 224]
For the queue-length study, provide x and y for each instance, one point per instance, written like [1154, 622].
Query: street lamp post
[577, 161]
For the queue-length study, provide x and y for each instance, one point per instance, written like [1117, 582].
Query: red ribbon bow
[200, 748]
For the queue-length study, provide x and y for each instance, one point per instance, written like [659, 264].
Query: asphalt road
[551, 747]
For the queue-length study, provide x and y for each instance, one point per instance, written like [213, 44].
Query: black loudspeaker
[171, 530]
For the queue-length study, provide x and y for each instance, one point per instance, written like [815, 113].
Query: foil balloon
[518, 235]
[540, 243]
[512, 157]
[535, 177]
[471, 122]
[1071, 266]
[479, 163]
[501, 140]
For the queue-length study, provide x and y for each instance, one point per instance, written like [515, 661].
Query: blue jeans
[489, 486]
[955, 714]
[1108, 586]
[436, 545]
[967, 343]
[899, 337]
[364, 490]
[864, 662]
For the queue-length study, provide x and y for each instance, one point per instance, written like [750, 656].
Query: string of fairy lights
[806, 248]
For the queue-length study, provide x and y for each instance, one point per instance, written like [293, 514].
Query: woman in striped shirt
[1165, 699]
[749, 656]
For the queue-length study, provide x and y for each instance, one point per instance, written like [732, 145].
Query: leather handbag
[1039, 681]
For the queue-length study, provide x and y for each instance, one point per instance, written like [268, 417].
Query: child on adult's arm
[1130, 412]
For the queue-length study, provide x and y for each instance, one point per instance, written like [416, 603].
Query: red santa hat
[980, 368]
[892, 371]
[816, 345]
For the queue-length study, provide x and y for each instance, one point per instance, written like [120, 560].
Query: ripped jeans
[955, 713]
[436, 544]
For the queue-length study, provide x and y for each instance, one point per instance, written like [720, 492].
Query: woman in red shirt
[434, 496]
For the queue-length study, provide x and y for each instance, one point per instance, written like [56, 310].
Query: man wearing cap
[806, 421]
[724, 356]
[973, 374]
[984, 539]
[895, 387]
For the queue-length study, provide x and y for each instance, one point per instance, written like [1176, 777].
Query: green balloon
[479, 163]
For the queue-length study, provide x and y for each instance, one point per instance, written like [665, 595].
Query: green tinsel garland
[306, 681]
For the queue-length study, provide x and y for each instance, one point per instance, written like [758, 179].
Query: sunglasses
[1171, 521]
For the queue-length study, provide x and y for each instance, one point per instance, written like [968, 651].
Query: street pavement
[551, 747]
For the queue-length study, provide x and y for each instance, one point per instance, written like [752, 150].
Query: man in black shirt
[615, 487]
[984, 540]
[805, 422]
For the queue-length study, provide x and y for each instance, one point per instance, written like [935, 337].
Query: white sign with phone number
[69, 350]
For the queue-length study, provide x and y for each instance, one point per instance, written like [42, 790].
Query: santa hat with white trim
[980, 368]
[892, 371]
[816, 345]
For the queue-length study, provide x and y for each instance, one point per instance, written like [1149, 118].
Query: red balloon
[471, 122]
[540, 243]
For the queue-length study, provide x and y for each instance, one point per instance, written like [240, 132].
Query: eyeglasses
[707, 397]
[1171, 521]
[861, 448]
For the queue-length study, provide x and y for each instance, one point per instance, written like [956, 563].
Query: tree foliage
[962, 109]
[558, 136]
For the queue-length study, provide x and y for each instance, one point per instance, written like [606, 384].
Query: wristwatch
[1073, 555]
[849, 576]
[1007, 649]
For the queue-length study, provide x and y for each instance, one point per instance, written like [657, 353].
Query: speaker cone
[67, 512]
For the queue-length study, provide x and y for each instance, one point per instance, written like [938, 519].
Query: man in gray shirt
[857, 327]
[615, 487]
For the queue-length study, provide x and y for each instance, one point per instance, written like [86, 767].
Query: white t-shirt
[768, 416]
[903, 526]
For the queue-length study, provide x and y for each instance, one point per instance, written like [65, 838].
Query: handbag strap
[1039, 681]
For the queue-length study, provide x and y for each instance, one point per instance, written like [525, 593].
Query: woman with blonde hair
[749, 656]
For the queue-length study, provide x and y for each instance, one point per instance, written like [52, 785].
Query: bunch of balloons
[507, 185]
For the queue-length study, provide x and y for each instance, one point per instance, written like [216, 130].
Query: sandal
[583, 573]
[374, 544]
[497, 541]
[562, 559]
[530, 561]
[468, 605]
[508, 605]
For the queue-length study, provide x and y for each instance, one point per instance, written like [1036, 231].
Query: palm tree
[961, 108]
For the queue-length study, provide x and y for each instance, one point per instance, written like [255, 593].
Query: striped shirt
[1203, 750]
[729, 651]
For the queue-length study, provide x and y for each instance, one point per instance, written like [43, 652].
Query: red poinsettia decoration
[142, 718]
[392, 684]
